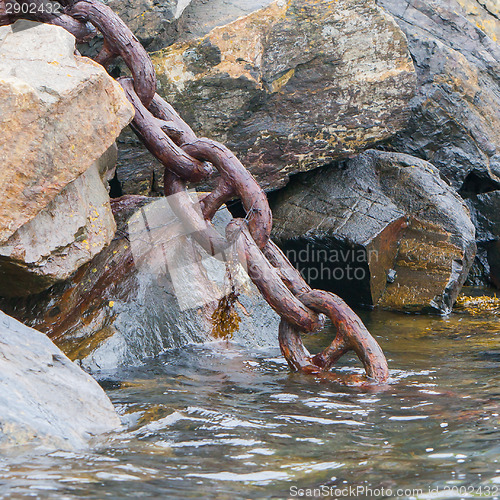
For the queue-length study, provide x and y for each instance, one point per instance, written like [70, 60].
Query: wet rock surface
[148, 291]
[46, 401]
[380, 229]
[455, 122]
[294, 85]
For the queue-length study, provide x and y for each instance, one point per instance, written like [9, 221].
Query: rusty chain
[187, 158]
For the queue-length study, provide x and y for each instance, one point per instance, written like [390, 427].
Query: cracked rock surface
[290, 87]
[380, 229]
[60, 116]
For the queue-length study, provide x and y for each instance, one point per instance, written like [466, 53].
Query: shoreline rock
[42, 149]
[60, 116]
[288, 88]
[455, 117]
[46, 401]
[148, 291]
[404, 232]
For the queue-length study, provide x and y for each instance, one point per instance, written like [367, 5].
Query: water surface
[228, 422]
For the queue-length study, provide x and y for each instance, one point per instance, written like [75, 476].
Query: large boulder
[59, 118]
[151, 289]
[382, 229]
[294, 85]
[455, 122]
[46, 400]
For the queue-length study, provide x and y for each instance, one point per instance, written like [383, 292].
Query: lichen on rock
[294, 85]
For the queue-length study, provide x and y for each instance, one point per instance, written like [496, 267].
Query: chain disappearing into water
[188, 158]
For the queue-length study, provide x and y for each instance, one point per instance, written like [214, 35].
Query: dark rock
[485, 213]
[46, 400]
[382, 229]
[153, 22]
[455, 121]
[493, 253]
[292, 86]
[137, 171]
[148, 291]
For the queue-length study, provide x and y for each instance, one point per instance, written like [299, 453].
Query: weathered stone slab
[74, 227]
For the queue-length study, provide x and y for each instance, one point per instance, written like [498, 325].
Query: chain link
[187, 158]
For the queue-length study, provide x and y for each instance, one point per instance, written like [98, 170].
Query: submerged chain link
[188, 158]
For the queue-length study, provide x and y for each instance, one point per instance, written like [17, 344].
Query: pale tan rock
[59, 113]
[66, 234]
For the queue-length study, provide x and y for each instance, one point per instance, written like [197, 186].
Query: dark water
[221, 421]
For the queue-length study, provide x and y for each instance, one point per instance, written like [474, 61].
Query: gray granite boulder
[46, 401]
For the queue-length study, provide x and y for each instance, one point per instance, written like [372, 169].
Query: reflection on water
[219, 421]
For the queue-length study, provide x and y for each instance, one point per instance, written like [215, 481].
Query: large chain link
[188, 158]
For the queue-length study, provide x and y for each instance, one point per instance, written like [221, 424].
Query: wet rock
[485, 214]
[382, 229]
[151, 289]
[46, 400]
[59, 119]
[293, 86]
[455, 122]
